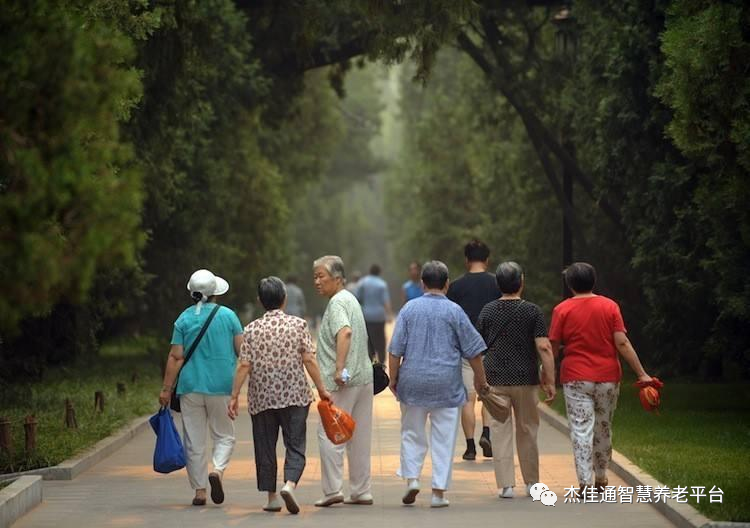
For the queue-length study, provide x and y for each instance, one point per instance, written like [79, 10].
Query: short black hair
[476, 251]
[374, 269]
[580, 277]
[271, 292]
[434, 274]
[509, 276]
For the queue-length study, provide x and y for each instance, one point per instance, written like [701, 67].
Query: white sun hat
[205, 284]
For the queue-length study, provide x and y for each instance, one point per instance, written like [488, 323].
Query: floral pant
[590, 409]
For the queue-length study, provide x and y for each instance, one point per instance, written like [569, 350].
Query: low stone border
[71, 468]
[681, 514]
[19, 498]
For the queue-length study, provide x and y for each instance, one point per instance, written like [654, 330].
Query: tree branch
[533, 124]
[321, 56]
[549, 171]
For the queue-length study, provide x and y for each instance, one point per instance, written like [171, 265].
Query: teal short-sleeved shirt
[211, 367]
[343, 310]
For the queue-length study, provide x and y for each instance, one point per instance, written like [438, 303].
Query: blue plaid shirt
[432, 335]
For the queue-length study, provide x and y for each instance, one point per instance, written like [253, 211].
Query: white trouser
[443, 432]
[356, 401]
[201, 412]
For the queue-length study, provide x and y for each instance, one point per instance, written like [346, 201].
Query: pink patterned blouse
[273, 345]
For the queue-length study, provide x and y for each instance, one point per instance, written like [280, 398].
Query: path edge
[72, 467]
[20, 497]
[682, 515]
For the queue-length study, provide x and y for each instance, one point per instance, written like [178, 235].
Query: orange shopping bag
[649, 394]
[338, 425]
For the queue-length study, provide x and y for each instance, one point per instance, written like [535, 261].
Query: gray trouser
[293, 423]
[376, 341]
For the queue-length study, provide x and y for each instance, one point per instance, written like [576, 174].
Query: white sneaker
[439, 502]
[528, 489]
[365, 499]
[507, 493]
[287, 493]
[330, 500]
[273, 506]
[412, 489]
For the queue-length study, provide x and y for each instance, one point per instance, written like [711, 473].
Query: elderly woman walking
[431, 337]
[347, 372]
[516, 337]
[591, 330]
[205, 381]
[276, 350]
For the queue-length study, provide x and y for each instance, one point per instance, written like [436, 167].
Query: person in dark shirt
[516, 337]
[471, 292]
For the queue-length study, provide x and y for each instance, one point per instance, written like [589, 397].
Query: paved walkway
[123, 490]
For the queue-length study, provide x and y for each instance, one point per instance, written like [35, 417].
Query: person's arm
[237, 344]
[394, 365]
[244, 368]
[626, 350]
[556, 346]
[174, 364]
[397, 349]
[388, 311]
[308, 360]
[473, 348]
[481, 326]
[343, 343]
[544, 349]
[555, 332]
[480, 379]
[310, 363]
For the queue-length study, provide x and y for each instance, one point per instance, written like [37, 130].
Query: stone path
[123, 490]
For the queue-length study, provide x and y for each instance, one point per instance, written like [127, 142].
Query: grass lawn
[117, 362]
[700, 438]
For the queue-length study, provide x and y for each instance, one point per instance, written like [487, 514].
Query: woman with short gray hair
[516, 337]
[431, 338]
[276, 349]
[347, 372]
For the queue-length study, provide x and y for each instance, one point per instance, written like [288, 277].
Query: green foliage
[213, 197]
[143, 141]
[617, 128]
[70, 194]
[677, 206]
[468, 171]
[707, 86]
[45, 399]
[340, 211]
[707, 48]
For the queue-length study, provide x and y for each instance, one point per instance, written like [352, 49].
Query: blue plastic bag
[169, 454]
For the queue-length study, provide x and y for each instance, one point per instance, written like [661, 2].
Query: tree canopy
[143, 140]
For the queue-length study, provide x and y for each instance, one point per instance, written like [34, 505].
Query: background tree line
[654, 110]
[141, 140]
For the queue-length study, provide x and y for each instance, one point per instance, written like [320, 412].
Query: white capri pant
[356, 401]
[443, 432]
[199, 413]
